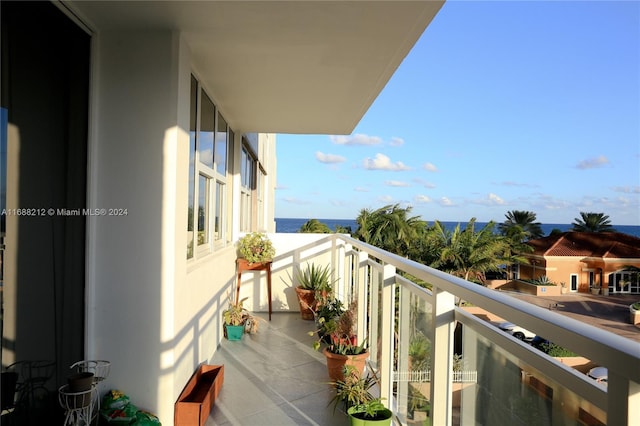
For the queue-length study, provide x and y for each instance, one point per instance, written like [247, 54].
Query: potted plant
[342, 348]
[362, 407]
[256, 247]
[327, 313]
[314, 286]
[237, 320]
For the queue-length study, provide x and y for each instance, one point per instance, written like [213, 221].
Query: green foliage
[314, 226]
[373, 409]
[592, 222]
[544, 281]
[521, 226]
[354, 392]
[417, 401]
[315, 277]
[636, 306]
[554, 350]
[467, 253]
[390, 228]
[353, 389]
[256, 247]
[419, 352]
[345, 347]
[235, 314]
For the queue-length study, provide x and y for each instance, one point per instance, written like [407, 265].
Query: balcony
[498, 380]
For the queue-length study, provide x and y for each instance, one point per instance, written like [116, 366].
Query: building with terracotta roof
[586, 260]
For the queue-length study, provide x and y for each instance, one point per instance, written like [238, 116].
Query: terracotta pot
[307, 301]
[336, 362]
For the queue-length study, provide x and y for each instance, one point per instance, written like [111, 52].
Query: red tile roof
[613, 245]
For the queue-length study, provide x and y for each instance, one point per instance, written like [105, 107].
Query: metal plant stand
[78, 406]
[100, 370]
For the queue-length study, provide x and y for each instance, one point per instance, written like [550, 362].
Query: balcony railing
[498, 379]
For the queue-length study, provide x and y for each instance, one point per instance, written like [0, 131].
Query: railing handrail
[620, 355]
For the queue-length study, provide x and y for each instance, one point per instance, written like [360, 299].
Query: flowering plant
[256, 247]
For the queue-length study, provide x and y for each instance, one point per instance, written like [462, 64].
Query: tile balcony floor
[274, 377]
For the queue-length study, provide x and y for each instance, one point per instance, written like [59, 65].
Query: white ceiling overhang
[283, 66]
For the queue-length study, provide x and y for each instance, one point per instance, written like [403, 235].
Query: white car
[599, 374]
[516, 331]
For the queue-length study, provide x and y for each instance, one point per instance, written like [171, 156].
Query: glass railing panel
[374, 313]
[509, 391]
[412, 367]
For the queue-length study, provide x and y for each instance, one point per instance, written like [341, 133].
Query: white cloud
[385, 199]
[329, 158]
[518, 184]
[396, 141]
[424, 183]
[293, 200]
[396, 183]
[361, 189]
[445, 202]
[281, 187]
[382, 162]
[430, 167]
[593, 163]
[627, 189]
[357, 139]
[494, 199]
[422, 199]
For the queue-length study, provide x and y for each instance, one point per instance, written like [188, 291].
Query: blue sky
[500, 106]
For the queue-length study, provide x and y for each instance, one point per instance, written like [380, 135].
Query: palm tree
[467, 253]
[523, 223]
[390, 228]
[314, 226]
[592, 222]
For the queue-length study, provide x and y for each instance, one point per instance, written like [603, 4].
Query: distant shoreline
[292, 225]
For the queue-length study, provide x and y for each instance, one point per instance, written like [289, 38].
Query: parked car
[516, 331]
[599, 374]
[538, 342]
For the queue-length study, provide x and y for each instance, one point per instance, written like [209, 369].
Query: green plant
[419, 352]
[353, 389]
[315, 277]
[373, 409]
[354, 392]
[636, 306]
[554, 350]
[235, 314]
[544, 280]
[337, 328]
[345, 346]
[256, 247]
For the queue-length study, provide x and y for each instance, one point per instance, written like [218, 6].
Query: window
[573, 280]
[247, 179]
[193, 106]
[209, 141]
[203, 210]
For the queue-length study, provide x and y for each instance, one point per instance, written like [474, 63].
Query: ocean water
[292, 225]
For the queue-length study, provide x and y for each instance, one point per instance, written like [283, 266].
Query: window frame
[217, 223]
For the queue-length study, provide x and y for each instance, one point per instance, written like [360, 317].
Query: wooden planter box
[198, 396]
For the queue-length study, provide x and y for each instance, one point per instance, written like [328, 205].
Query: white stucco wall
[151, 312]
[291, 249]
